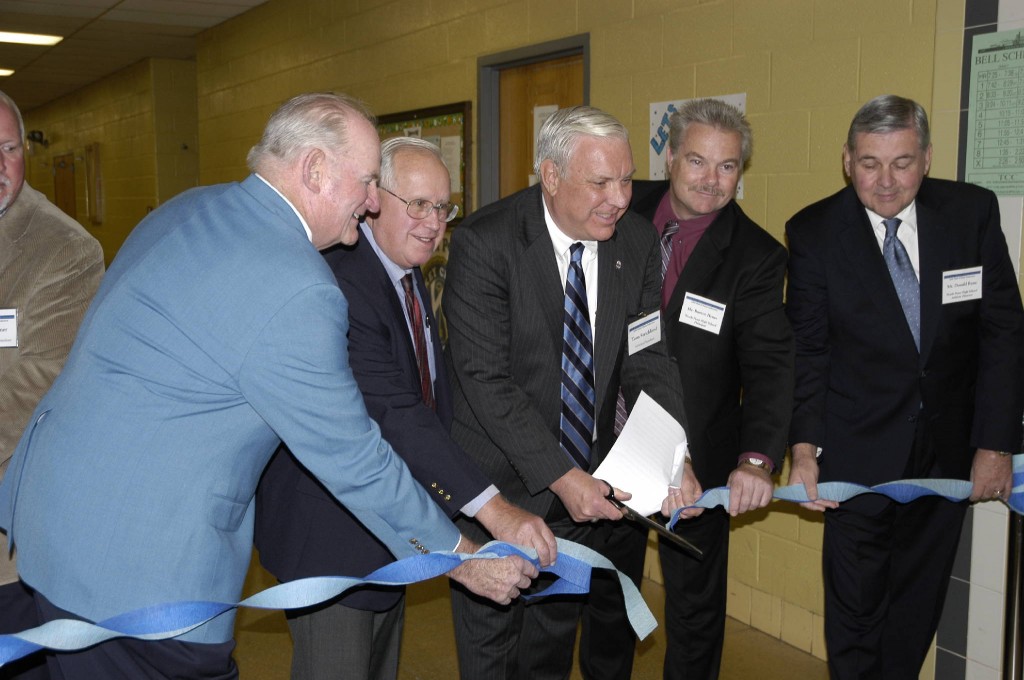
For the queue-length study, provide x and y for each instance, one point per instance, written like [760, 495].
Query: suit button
[912, 419]
[924, 373]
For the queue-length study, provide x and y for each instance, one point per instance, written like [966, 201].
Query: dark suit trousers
[695, 593]
[886, 575]
[535, 641]
[128, 659]
[18, 613]
[335, 641]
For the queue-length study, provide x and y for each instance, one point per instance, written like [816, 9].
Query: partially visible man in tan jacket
[50, 268]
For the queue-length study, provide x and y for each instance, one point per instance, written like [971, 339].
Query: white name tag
[644, 332]
[8, 327]
[703, 313]
[961, 284]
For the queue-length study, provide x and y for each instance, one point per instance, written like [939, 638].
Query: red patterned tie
[419, 340]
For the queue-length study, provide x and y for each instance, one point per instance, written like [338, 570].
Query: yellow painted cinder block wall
[805, 66]
[128, 116]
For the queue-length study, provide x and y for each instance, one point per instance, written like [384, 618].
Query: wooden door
[64, 184]
[554, 82]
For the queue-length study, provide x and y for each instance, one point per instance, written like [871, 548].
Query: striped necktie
[671, 229]
[903, 278]
[577, 421]
[419, 340]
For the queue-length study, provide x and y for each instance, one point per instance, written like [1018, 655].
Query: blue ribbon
[166, 621]
[903, 491]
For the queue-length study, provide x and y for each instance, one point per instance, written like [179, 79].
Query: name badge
[644, 332]
[703, 313]
[8, 327]
[959, 285]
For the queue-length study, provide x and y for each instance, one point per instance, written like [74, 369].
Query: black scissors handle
[633, 516]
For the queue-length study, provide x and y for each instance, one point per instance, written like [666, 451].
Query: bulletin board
[450, 128]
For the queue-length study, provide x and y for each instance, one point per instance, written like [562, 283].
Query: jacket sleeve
[297, 377]
[807, 309]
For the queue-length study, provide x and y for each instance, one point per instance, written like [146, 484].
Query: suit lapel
[860, 248]
[932, 237]
[539, 270]
[706, 257]
[611, 306]
[12, 227]
[384, 290]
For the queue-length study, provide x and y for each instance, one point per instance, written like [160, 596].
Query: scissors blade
[634, 516]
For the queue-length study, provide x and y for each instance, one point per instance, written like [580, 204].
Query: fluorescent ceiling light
[29, 38]
[6, 72]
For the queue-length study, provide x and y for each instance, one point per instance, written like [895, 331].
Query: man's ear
[550, 178]
[314, 169]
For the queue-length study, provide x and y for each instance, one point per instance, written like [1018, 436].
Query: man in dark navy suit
[735, 361]
[394, 351]
[909, 341]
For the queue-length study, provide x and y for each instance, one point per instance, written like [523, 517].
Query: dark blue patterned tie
[577, 422]
[902, 272]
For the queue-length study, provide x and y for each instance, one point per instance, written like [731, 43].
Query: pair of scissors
[634, 516]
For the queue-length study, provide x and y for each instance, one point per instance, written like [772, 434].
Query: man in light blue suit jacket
[218, 332]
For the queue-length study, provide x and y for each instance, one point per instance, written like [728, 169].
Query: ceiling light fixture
[6, 72]
[29, 38]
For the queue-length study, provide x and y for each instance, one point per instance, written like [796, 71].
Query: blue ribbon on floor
[903, 491]
[166, 621]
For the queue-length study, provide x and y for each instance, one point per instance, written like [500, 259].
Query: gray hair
[5, 100]
[560, 133]
[316, 119]
[714, 113]
[393, 145]
[890, 113]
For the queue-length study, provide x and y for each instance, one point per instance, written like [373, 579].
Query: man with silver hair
[394, 351]
[217, 333]
[50, 267]
[541, 289]
[909, 354]
[737, 371]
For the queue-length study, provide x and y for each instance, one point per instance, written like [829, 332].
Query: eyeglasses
[420, 208]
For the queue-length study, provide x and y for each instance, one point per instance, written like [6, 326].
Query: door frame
[489, 69]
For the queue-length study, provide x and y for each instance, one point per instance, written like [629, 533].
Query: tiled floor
[428, 648]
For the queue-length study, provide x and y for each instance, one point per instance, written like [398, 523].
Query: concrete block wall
[140, 118]
[805, 66]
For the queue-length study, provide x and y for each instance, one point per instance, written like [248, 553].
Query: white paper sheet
[647, 457]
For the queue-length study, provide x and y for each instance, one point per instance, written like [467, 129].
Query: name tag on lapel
[644, 332]
[8, 327]
[703, 313]
[959, 285]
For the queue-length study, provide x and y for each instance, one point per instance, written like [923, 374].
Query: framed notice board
[450, 128]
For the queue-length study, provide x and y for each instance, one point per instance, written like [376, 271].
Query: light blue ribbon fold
[169, 620]
[903, 491]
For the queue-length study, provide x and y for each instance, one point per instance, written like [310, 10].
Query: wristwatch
[756, 462]
[1004, 454]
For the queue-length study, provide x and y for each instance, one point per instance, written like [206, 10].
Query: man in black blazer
[301, 530]
[735, 361]
[505, 304]
[909, 339]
